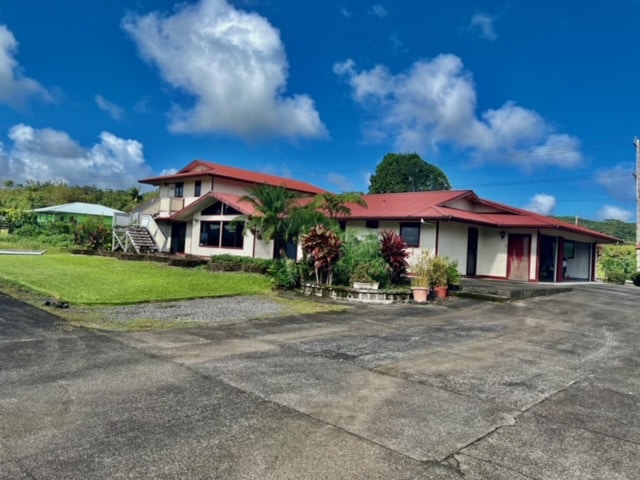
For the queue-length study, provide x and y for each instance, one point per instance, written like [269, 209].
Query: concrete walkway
[545, 388]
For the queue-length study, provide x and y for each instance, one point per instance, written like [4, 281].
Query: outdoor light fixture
[502, 234]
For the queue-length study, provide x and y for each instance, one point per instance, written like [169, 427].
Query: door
[178, 236]
[472, 251]
[518, 257]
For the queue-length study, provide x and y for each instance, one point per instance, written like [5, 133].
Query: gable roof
[200, 168]
[235, 201]
[79, 208]
[436, 205]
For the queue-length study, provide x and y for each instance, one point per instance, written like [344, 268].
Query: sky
[532, 104]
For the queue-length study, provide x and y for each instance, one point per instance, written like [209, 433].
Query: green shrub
[236, 263]
[635, 278]
[93, 235]
[617, 258]
[358, 252]
[616, 276]
[285, 274]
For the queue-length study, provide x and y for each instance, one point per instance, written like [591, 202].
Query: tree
[407, 172]
[336, 204]
[273, 209]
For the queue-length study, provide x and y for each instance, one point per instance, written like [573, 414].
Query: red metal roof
[434, 206]
[200, 168]
[235, 201]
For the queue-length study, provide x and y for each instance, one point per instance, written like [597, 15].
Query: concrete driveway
[546, 388]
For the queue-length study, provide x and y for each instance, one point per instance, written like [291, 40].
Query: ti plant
[324, 247]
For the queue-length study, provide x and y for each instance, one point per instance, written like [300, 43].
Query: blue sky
[534, 104]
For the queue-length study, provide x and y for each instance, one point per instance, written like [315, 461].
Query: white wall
[492, 253]
[579, 265]
[453, 243]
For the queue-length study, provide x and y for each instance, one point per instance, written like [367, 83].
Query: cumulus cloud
[15, 87]
[52, 155]
[111, 108]
[609, 212]
[483, 24]
[542, 203]
[345, 13]
[618, 181]
[434, 103]
[378, 10]
[234, 66]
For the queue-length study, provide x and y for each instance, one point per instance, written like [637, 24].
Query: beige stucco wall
[453, 243]
[492, 253]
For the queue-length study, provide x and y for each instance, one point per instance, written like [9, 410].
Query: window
[410, 233]
[371, 224]
[569, 248]
[221, 234]
[179, 190]
[343, 225]
[220, 208]
[197, 189]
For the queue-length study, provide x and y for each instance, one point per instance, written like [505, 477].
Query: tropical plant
[324, 247]
[273, 208]
[439, 270]
[635, 278]
[336, 204]
[361, 260]
[421, 269]
[394, 251]
[284, 274]
[453, 275]
[617, 258]
[92, 234]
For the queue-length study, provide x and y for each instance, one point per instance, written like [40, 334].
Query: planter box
[366, 285]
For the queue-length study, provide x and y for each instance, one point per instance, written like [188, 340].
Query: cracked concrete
[545, 388]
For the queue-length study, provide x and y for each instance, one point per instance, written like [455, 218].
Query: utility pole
[636, 142]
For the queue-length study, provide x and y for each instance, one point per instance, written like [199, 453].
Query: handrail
[150, 224]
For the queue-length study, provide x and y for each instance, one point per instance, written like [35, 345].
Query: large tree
[407, 172]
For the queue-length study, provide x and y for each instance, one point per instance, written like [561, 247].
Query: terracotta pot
[441, 292]
[420, 294]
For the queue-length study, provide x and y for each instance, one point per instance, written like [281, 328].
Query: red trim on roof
[200, 168]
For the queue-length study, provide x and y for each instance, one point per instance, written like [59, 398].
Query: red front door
[518, 257]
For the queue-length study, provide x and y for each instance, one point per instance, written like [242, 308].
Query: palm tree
[336, 204]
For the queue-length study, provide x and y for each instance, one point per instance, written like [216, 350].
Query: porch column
[559, 258]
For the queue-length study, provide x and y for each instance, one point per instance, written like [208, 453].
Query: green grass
[88, 280]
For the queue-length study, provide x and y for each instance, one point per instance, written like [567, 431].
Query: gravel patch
[207, 310]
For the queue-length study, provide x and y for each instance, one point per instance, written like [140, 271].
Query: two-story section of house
[199, 207]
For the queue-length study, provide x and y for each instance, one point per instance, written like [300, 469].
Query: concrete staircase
[141, 240]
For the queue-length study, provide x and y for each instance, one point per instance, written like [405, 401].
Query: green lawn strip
[89, 280]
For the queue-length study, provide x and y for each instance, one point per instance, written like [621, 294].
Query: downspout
[538, 241]
[437, 236]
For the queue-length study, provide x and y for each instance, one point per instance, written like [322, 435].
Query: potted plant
[421, 276]
[367, 275]
[439, 267]
[453, 277]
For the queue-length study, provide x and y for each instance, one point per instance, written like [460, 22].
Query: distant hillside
[617, 228]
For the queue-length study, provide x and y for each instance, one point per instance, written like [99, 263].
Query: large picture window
[220, 208]
[222, 234]
[410, 233]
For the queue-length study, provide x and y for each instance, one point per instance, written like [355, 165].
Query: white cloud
[618, 181]
[15, 88]
[378, 10]
[609, 212]
[542, 203]
[168, 171]
[345, 13]
[232, 63]
[434, 103]
[483, 24]
[111, 108]
[52, 155]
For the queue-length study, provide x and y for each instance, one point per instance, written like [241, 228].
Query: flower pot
[420, 294]
[441, 292]
[366, 285]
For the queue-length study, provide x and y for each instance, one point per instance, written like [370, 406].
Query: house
[76, 212]
[488, 239]
[199, 206]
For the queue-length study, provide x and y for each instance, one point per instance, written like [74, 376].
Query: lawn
[88, 280]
